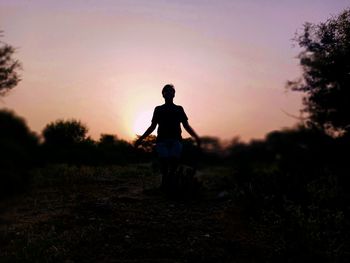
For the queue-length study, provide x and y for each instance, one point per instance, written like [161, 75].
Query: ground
[117, 214]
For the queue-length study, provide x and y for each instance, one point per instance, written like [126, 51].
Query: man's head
[168, 92]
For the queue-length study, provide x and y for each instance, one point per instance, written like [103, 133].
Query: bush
[290, 185]
[67, 142]
[18, 152]
[111, 150]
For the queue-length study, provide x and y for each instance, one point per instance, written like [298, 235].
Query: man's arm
[189, 129]
[147, 132]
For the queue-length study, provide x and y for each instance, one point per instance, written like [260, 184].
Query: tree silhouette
[108, 140]
[325, 62]
[112, 150]
[18, 152]
[65, 133]
[9, 67]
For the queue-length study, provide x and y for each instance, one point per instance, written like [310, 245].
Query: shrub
[18, 152]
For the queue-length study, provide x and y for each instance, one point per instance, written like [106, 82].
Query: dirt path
[114, 219]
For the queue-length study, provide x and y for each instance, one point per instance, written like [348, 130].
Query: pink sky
[105, 62]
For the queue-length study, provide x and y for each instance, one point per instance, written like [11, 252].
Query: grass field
[117, 214]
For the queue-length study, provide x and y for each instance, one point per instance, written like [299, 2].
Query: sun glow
[142, 122]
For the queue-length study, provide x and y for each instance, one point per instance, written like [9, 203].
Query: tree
[211, 144]
[108, 140]
[17, 142]
[112, 150]
[325, 62]
[65, 133]
[9, 67]
[19, 148]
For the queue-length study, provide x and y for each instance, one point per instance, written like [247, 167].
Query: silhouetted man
[168, 144]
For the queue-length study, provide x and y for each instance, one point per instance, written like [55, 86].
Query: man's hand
[147, 132]
[189, 129]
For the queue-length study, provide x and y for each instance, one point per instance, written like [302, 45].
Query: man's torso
[168, 117]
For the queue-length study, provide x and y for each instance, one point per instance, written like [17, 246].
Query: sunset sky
[105, 62]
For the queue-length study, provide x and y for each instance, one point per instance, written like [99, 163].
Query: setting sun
[142, 122]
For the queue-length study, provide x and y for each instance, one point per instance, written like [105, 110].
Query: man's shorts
[169, 148]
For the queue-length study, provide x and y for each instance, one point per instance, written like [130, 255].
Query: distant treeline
[67, 141]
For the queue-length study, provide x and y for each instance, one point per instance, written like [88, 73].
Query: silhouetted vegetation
[112, 150]
[19, 149]
[65, 133]
[67, 142]
[325, 62]
[294, 186]
[9, 67]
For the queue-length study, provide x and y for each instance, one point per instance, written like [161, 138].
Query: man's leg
[164, 170]
[174, 161]
[164, 163]
[169, 155]
[173, 179]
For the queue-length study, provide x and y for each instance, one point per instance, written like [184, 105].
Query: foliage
[325, 62]
[293, 184]
[190, 153]
[210, 144]
[212, 151]
[9, 67]
[111, 150]
[64, 133]
[148, 143]
[67, 141]
[18, 152]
